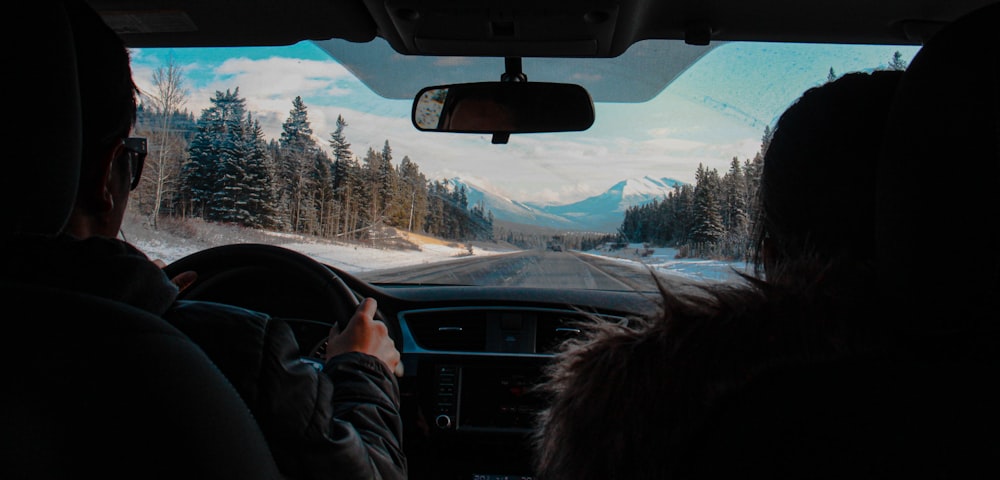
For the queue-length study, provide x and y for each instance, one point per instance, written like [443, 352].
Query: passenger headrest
[939, 178]
[39, 179]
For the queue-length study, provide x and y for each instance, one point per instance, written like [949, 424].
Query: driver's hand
[366, 335]
[183, 279]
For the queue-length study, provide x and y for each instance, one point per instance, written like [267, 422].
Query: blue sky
[714, 111]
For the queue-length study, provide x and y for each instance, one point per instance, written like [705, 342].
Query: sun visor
[637, 75]
[193, 23]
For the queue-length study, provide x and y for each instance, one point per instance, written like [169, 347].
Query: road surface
[530, 268]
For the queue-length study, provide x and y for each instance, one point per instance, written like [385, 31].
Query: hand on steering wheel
[182, 279]
[260, 276]
[366, 335]
[286, 284]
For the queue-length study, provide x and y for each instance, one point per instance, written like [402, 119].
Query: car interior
[472, 353]
[119, 391]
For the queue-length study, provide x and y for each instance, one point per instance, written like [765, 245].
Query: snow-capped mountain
[600, 213]
[509, 210]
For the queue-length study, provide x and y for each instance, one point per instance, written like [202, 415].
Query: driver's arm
[340, 421]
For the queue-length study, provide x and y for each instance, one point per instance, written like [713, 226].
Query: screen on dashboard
[494, 397]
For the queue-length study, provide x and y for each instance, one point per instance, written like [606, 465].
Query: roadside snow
[360, 259]
[664, 260]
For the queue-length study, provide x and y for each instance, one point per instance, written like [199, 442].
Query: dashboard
[471, 357]
[471, 354]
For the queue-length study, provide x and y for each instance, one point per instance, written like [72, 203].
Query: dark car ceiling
[369, 37]
[594, 28]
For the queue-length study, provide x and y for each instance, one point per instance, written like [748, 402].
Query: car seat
[926, 406]
[938, 182]
[94, 388]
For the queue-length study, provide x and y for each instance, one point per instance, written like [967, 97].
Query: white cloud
[452, 61]
[587, 77]
[668, 145]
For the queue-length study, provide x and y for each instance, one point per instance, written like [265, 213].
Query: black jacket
[340, 420]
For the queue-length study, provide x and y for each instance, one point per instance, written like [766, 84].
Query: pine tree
[684, 210]
[765, 140]
[228, 199]
[368, 195]
[387, 185]
[324, 200]
[708, 226]
[344, 175]
[260, 195]
[434, 223]
[735, 218]
[204, 172]
[752, 170]
[482, 221]
[413, 193]
[296, 168]
[458, 213]
[338, 141]
[229, 205]
[897, 62]
[295, 131]
[348, 185]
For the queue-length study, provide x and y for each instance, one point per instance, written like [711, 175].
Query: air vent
[555, 328]
[462, 330]
[499, 330]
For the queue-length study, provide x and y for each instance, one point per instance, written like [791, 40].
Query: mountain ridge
[603, 212]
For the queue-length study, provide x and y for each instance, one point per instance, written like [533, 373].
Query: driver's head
[108, 99]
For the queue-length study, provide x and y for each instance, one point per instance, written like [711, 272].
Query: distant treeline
[220, 168]
[714, 218]
[711, 219]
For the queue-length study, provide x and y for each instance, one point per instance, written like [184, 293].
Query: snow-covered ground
[349, 257]
[357, 258]
[664, 260]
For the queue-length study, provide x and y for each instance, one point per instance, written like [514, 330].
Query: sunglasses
[136, 149]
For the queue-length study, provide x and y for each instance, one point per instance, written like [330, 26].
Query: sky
[714, 111]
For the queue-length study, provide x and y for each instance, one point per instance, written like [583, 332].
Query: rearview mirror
[503, 107]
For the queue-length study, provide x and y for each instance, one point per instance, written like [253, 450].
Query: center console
[471, 397]
[477, 417]
[469, 389]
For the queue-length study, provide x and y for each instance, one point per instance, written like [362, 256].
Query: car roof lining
[370, 37]
[523, 28]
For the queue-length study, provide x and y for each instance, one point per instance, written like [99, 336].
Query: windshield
[287, 145]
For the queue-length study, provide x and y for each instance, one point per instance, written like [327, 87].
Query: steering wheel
[273, 280]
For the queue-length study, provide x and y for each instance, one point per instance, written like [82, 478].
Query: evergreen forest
[715, 217]
[220, 168]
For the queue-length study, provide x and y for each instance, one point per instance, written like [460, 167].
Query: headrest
[39, 179]
[939, 178]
